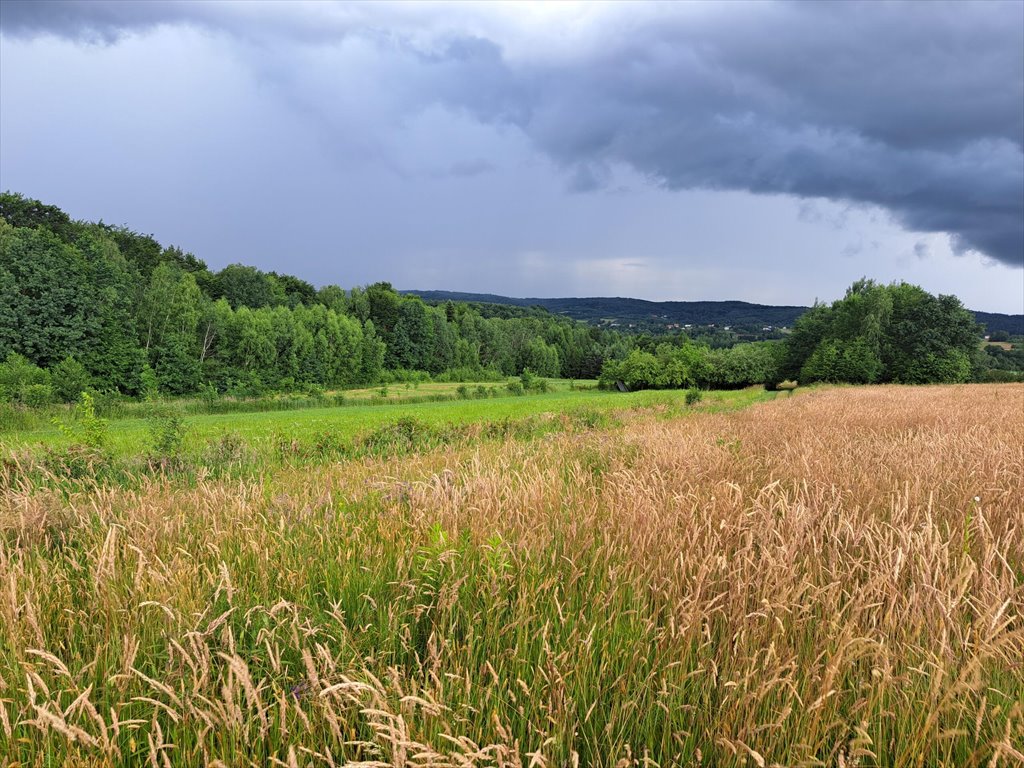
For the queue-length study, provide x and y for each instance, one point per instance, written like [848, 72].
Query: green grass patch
[132, 436]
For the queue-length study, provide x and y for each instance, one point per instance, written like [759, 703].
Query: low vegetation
[830, 578]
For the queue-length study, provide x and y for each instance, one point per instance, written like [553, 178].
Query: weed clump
[166, 439]
[86, 455]
[401, 436]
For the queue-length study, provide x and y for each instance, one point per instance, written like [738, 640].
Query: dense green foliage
[884, 333]
[670, 366]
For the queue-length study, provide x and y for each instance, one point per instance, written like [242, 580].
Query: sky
[771, 152]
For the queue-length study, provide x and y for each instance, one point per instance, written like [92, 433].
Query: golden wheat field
[830, 579]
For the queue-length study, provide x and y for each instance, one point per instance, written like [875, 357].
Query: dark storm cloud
[916, 108]
[92, 21]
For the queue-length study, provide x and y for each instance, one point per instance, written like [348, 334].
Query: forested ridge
[662, 316]
[90, 305]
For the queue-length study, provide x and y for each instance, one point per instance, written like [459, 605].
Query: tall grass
[830, 579]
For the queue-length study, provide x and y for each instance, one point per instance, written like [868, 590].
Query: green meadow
[131, 436]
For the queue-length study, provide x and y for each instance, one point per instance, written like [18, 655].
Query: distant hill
[993, 321]
[643, 314]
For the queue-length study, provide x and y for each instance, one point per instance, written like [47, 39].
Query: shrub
[167, 435]
[69, 379]
[249, 386]
[998, 375]
[89, 429]
[149, 384]
[527, 379]
[209, 395]
[36, 395]
[17, 373]
[532, 382]
[694, 396]
[314, 391]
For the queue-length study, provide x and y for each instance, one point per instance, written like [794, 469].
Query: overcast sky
[769, 152]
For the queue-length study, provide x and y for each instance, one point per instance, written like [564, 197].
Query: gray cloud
[918, 109]
[99, 22]
[470, 168]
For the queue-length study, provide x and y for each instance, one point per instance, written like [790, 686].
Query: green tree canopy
[883, 333]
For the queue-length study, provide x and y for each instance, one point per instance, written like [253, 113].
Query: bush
[998, 375]
[515, 386]
[403, 375]
[69, 380]
[36, 395]
[694, 396]
[532, 382]
[470, 373]
[17, 373]
[314, 391]
[89, 430]
[209, 395]
[167, 436]
[249, 386]
[149, 385]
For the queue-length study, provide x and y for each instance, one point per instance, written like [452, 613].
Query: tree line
[103, 304]
[90, 305]
[875, 334]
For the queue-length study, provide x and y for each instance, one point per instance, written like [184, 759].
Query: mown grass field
[834, 578]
